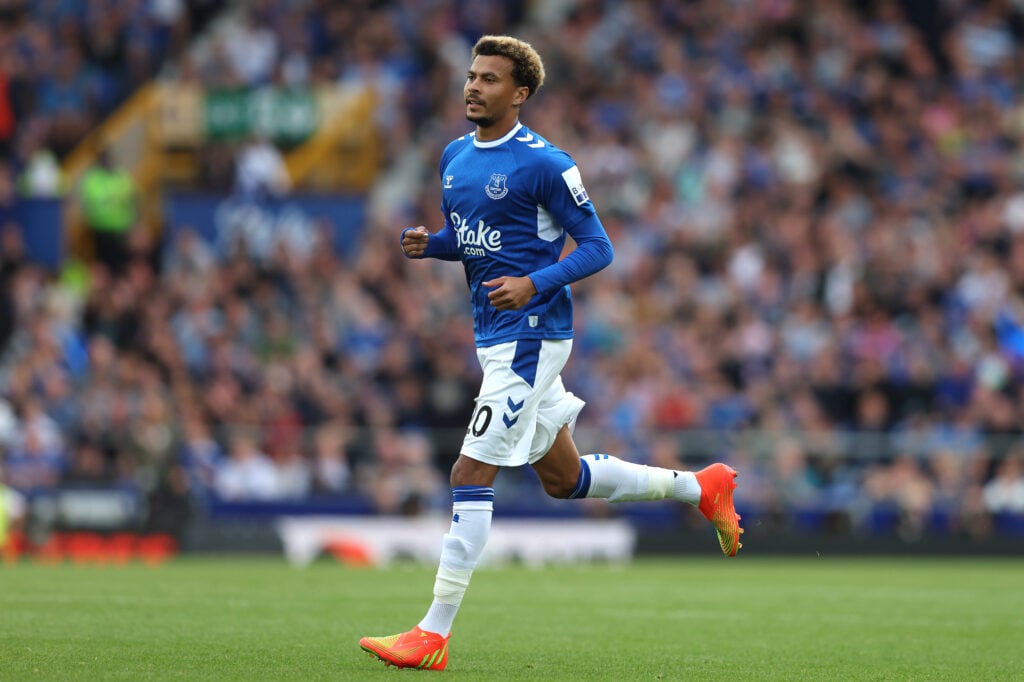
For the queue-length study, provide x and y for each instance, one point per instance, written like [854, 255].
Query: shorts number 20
[481, 420]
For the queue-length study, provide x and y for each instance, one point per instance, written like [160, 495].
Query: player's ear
[522, 94]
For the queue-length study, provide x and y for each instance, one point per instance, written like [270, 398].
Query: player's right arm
[414, 241]
[417, 242]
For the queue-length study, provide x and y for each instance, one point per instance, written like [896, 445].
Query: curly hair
[527, 67]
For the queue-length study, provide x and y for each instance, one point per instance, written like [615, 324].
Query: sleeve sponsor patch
[575, 184]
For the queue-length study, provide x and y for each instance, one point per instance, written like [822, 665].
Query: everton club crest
[496, 188]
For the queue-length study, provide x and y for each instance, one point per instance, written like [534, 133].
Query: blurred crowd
[817, 210]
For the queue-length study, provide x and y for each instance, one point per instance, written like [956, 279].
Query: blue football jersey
[510, 203]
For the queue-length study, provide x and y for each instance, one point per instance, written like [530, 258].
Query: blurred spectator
[170, 505]
[251, 46]
[294, 475]
[8, 425]
[332, 474]
[200, 454]
[13, 256]
[88, 466]
[401, 478]
[247, 473]
[36, 458]
[37, 430]
[40, 175]
[69, 98]
[1005, 492]
[794, 481]
[7, 116]
[260, 170]
[905, 488]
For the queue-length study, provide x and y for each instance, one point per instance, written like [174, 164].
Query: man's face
[491, 93]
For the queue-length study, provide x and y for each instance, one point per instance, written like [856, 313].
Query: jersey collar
[501, 140]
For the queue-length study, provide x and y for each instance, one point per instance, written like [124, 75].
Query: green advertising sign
[282, 115]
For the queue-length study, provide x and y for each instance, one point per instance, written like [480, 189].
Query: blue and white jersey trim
[500, 141]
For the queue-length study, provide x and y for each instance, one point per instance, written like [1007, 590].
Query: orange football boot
[414, 649]
[716, 486]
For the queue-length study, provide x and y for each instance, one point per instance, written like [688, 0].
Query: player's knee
[467, 471]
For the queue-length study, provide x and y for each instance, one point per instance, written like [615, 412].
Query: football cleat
[413, 649]
[716, 486]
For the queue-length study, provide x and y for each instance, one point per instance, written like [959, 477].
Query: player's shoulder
[457, 145]
[536, 150]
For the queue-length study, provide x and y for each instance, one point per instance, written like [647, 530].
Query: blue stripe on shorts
[524, 364]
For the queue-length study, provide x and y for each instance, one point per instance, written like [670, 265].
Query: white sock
[686, 488]
[616, 480]
[464, 543]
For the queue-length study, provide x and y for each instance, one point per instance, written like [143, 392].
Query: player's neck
[497, 130]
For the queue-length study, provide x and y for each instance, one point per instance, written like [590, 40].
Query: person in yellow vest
[109, 199]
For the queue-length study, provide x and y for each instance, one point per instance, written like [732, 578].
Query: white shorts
[522, 403]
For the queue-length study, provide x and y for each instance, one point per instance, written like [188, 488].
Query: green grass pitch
[758, 618]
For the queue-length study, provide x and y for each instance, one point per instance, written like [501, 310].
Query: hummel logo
[513, 408]
[448, 181]
[527, 137]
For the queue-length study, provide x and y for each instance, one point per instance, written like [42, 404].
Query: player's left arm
[593, 253]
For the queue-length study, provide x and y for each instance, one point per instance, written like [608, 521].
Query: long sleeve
[593, 253]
